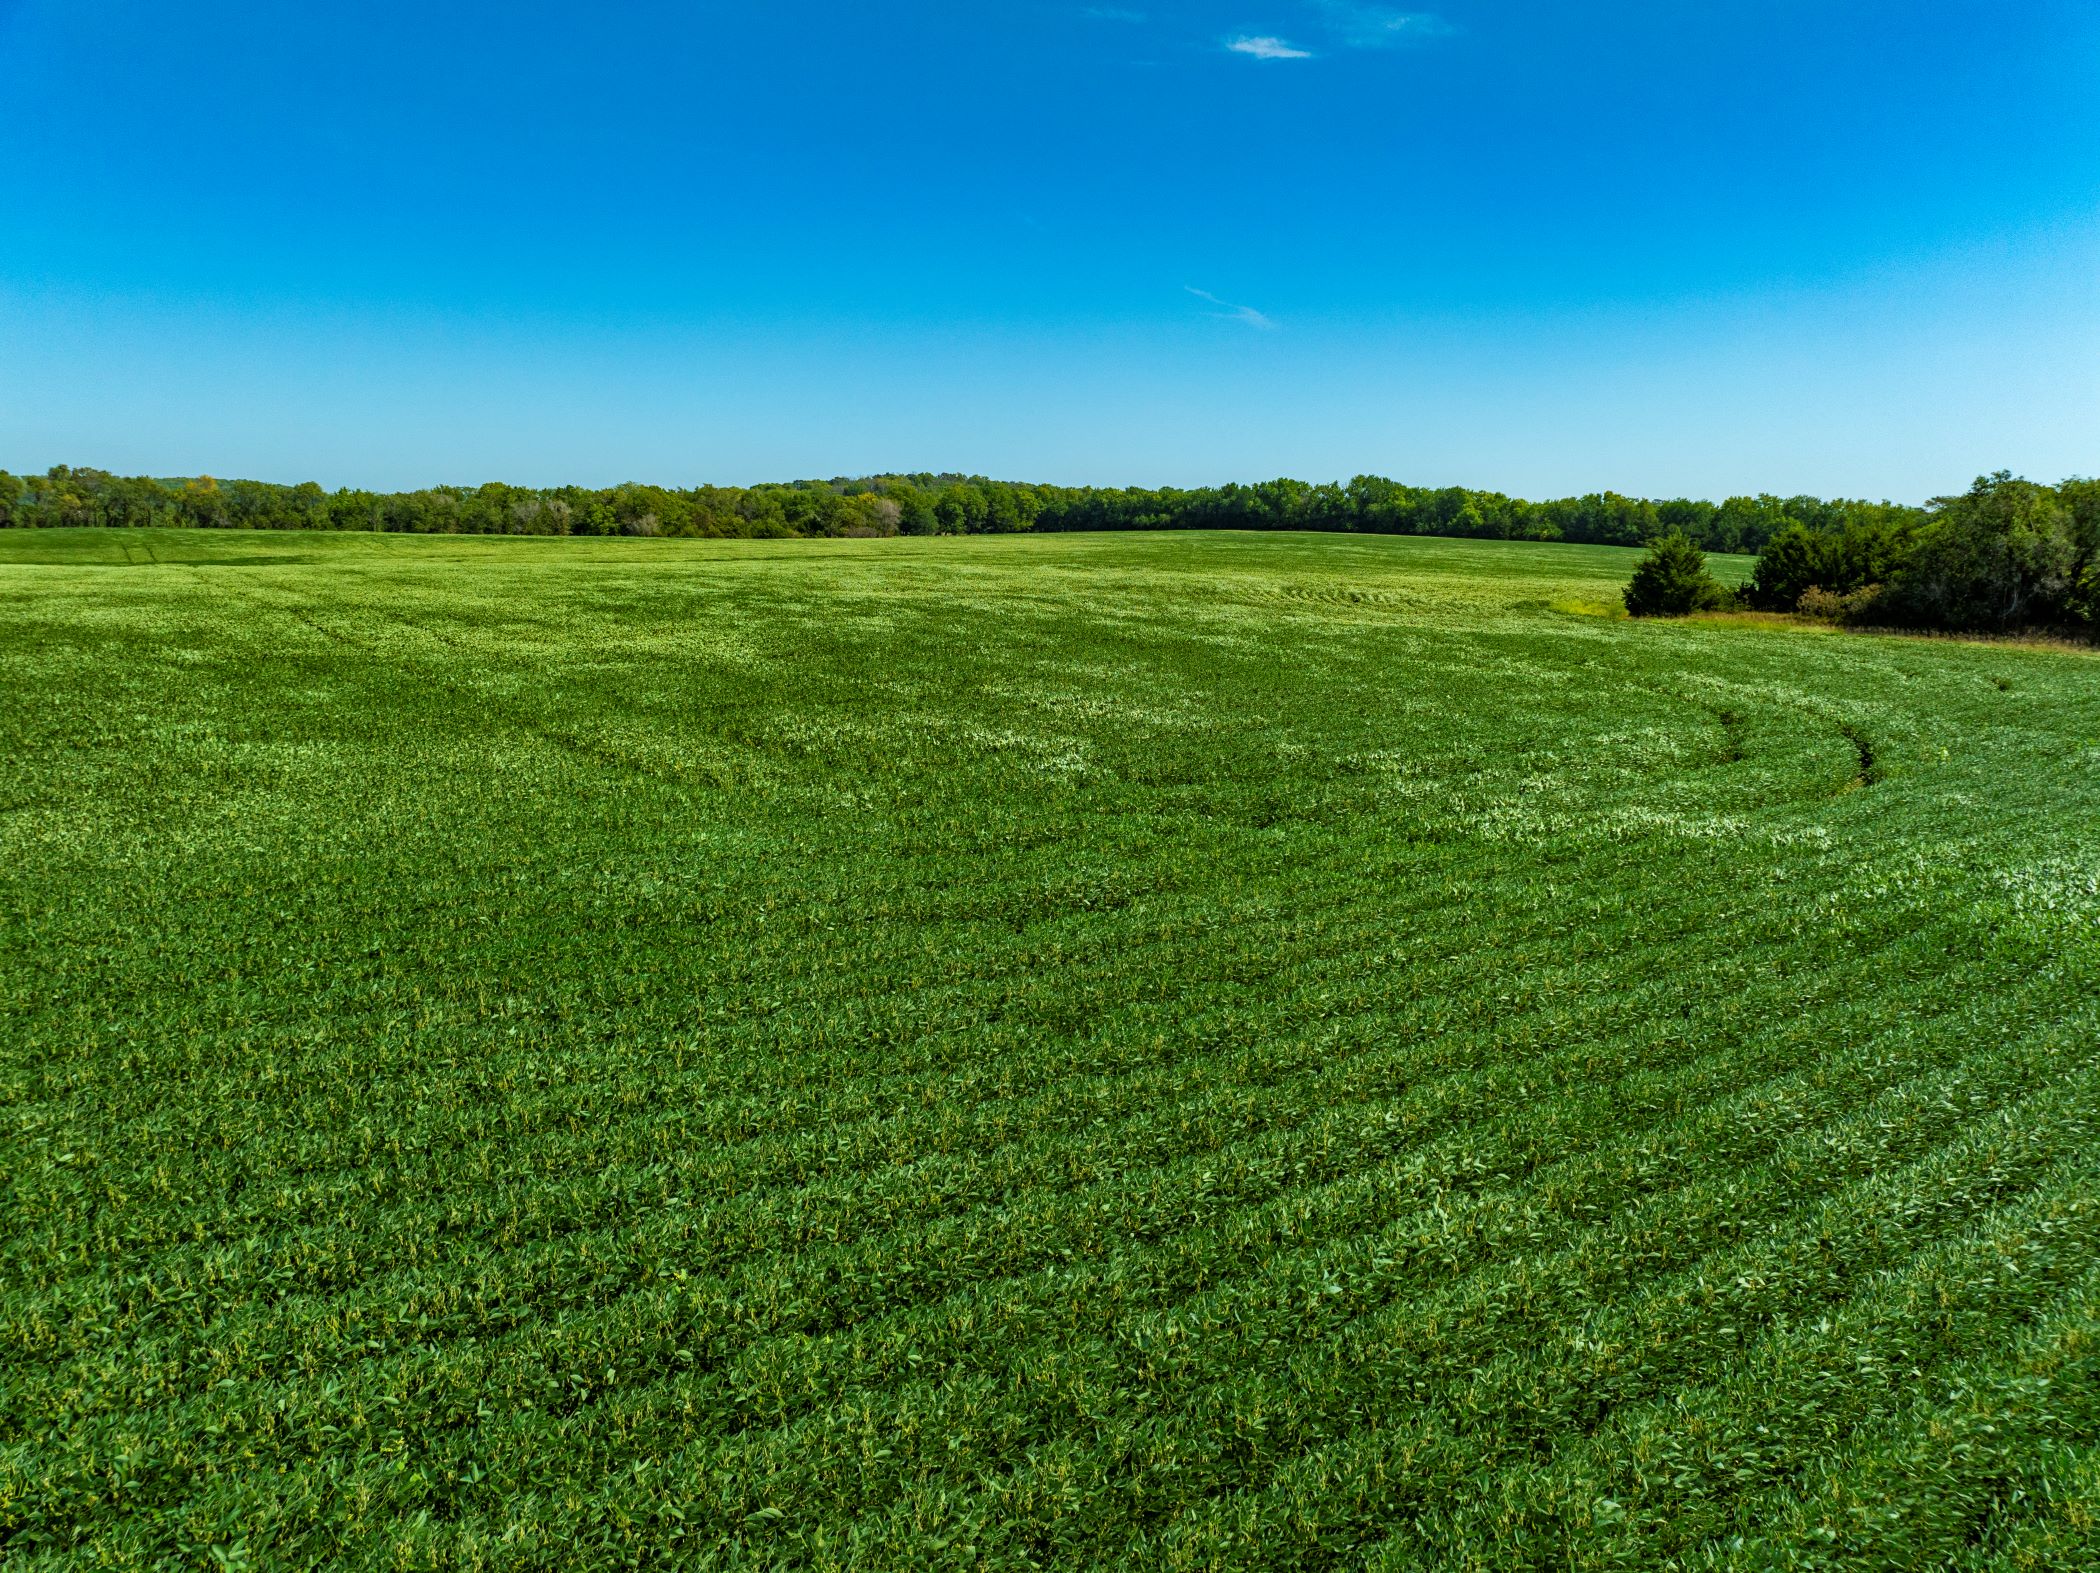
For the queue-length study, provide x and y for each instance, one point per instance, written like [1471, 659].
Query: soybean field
[1197, 1051]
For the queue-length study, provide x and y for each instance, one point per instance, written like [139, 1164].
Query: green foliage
[1795, 561]
[2003, 555]
[1165, 1051]
[2083, 603]
[1842, 557]
[918, 504]
[1859, 606]
[2081, 498]
[2007, 554]
[1673, 581]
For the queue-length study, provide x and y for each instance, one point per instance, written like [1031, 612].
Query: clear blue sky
[1537, 245]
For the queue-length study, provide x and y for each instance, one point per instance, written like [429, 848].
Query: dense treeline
[2006, 554]
[924, 504]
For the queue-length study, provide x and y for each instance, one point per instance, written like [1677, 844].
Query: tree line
[2007, 554]
[926, 504]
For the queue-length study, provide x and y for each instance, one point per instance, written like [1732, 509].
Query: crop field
[1196, 1051]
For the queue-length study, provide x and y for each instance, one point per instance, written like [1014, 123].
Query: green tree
[1793, 562]
[2004, 554]
[1672, 581]
[1745, 524]
[915, 514]
[1607, 519]
[2082, 498]
[1693, 519]
[959, 509]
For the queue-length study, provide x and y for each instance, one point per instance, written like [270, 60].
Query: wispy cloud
[1361, 26]
[1264, 47]
[1228, 312]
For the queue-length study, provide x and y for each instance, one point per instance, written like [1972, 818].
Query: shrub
[1861, 551]
[1840, 606]
[1672, 580]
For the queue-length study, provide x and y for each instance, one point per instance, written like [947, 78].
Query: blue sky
[1662, 247]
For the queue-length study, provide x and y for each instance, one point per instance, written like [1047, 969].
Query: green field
[1212, 1051]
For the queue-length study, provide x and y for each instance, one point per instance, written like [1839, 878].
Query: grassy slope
[1195, 1050]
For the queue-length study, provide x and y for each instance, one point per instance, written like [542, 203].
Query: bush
[1672, 581]
[1842, 559]
[1847, 606]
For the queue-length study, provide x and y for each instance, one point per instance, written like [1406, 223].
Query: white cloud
[1265, 47]
[1381, 27]
[1231, 313]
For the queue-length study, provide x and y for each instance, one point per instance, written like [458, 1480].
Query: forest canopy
[927, 504]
